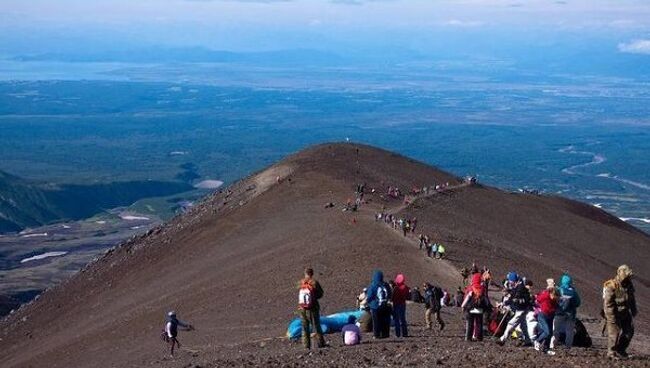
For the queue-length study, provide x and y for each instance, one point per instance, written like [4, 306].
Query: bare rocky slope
[231, 264]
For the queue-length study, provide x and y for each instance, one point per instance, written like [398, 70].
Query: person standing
[620, 309]
[171, 330]
[309, 293]
[441, 251]
[432, 297]
[547, 302]
[518, 300]
[400, 295]
[565, 315]
[474, 305]
[378, 296]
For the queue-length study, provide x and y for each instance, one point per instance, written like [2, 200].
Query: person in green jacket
[619, 307]
[309, 293]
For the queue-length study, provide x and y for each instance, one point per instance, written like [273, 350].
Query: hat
[512, 276]
[624, 271]
[550, 283]
[171, 314]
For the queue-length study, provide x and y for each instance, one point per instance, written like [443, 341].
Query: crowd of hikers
[543, 320]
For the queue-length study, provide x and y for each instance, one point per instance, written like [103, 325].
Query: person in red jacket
[547, 302]
[401, 294]
[474, 305]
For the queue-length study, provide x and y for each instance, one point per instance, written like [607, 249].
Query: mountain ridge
[229, 265]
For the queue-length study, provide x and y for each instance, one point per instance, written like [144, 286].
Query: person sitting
[351, 333]
[362, 304]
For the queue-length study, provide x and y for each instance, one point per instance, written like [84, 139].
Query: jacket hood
[378, 277]
[476, 280]
[566, 281]
[400, 279]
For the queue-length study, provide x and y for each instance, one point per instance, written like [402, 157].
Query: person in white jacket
[171, 330]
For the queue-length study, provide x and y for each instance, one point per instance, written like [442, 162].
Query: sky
[32, 26]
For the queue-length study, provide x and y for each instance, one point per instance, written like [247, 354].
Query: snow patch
[43, 256]
[635, 219]
[209, 184]
[134, 218]
[34, 235]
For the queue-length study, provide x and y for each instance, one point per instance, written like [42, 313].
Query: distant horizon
[573, 32]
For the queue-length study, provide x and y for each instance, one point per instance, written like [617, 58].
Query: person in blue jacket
[378, 295]
[565, 315]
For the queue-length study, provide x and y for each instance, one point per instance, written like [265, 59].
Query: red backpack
[306, 295]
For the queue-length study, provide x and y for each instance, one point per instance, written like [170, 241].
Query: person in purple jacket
[351, 333]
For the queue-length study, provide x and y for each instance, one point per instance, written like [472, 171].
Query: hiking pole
[505, 315]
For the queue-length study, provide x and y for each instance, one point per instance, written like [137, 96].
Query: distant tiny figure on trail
[309, 293]
[619, 306]
[170, 333]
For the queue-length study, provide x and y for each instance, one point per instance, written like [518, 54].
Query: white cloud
[635, 47]
[462, 23]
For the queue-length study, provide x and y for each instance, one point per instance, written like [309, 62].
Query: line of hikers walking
[408, 226]
[543, 320]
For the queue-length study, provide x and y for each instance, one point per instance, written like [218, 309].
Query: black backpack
[581, 338]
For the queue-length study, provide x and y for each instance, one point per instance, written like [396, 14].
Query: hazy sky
[269, 24]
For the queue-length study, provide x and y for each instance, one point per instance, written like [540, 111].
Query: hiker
[400, 295]
[546, 301]
[565, 315]
[619, 305]
[518, 300]
[441, 251]
[465, 273]
[460, 296]
[530, 335]
[432, 296]
[429, 248]
[474, 305]
[414, 224]
[309, 293]
[365, 321]
[434, 250]
[171, 330]
[421, 238]
[362, 300]
[351, 333]
[378, 297]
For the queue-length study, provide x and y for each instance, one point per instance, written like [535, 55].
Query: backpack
[581, 337]
[306, 296]
[566, 302]
[382, 295]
